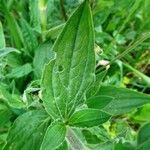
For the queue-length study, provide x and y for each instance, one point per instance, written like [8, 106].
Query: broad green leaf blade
[124, 100]
[2, 38]
[88, 118]
[28, 131]
[143, 138]
[5, 51]
[73, 70]
[63, 146]
[144, 146]
[20, 71]
[144, 134]
[47, 92]
[54, 136]
[99, 102]
[45, 54]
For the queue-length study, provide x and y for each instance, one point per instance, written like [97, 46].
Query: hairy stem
[74, 141]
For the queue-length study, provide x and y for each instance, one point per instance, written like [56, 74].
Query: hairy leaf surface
[66, 78]
[88, 118]
[124, 100]
[54, 136]
[28, 131]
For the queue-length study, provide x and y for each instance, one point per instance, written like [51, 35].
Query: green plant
[79, 109]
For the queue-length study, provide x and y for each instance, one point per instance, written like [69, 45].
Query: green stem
[43, 17]
[145, 78]
[129, 49]
[74, 141]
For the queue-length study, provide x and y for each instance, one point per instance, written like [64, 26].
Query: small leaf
[88, 118]
[27, 131]
[11, 99]
[20, 71]
[124, 146]
[124, 100]
[99, 102]
[96, 135]
[54, 136]
[5, 51]
[96, 85]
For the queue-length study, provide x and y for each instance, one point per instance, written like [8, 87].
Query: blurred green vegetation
[28, 29]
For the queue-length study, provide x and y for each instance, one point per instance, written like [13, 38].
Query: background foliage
[28, 30]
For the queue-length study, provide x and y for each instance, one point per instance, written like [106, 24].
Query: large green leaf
[143, 139]
[54, 136]
[124, 100]
[88, 118]
[63, 146]
[28, 131]
[144, 146]
[66, 78]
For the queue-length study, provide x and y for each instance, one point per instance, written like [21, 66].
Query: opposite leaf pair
[66, 79]
[64, 83]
